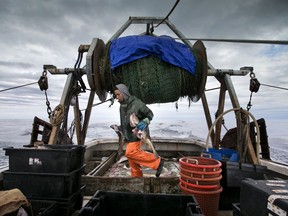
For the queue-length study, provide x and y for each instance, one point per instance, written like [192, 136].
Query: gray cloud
[15, 64]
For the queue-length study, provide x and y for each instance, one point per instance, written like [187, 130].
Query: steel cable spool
[95, 74]
[155, 81]
[199, 52]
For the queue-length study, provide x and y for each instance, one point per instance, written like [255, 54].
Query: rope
[110, 99]
[57, 115]
[272, 86]
[212, 89]
[18, 86]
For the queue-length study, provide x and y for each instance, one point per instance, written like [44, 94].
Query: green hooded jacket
[133, 105]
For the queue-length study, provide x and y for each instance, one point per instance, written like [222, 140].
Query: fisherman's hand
[143, 124]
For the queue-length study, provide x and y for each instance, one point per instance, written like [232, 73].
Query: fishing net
[152, 80]
[155, 81]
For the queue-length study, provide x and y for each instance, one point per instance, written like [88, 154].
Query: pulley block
[254, 85]
[43, 83]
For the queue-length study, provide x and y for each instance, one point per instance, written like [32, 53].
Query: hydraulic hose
[247, 113]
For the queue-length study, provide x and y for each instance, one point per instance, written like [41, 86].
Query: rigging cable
[110, 99]
[274, 86]
[280, 42]
[18, 86]
[177, 1]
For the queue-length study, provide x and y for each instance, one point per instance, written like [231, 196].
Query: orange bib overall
[138, 157]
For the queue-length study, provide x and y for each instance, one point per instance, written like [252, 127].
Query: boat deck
[121, 169]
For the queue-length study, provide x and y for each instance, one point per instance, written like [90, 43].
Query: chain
[72, 129]
[43, 85]
[49, 110]
[249, 105]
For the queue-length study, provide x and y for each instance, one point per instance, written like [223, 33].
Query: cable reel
[94, 74]
[199, 51]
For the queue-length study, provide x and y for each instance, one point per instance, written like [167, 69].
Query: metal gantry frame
[223, 76]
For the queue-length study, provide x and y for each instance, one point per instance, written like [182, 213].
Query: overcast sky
[38, 32]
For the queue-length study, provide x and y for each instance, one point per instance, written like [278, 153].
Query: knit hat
[124, 90]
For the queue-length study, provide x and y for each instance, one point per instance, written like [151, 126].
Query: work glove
[143, 124]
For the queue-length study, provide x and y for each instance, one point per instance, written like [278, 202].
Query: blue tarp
[126, 49]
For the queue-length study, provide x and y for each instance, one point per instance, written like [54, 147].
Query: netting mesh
[154, 81]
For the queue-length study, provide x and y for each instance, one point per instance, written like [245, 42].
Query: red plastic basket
[201, 181]
[199, 187]
[200, 164]
[208, 200]
[199, 174]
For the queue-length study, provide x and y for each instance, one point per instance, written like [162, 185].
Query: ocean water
[16, 133]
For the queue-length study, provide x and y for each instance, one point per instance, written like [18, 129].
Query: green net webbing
[155, 81]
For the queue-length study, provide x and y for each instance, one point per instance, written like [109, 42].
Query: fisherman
[136, 156]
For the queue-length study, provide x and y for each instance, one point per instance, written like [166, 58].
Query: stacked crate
[50, 173]
[105, 203]
[264, 197]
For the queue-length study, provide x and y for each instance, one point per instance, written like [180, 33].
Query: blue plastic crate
[222, 154]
